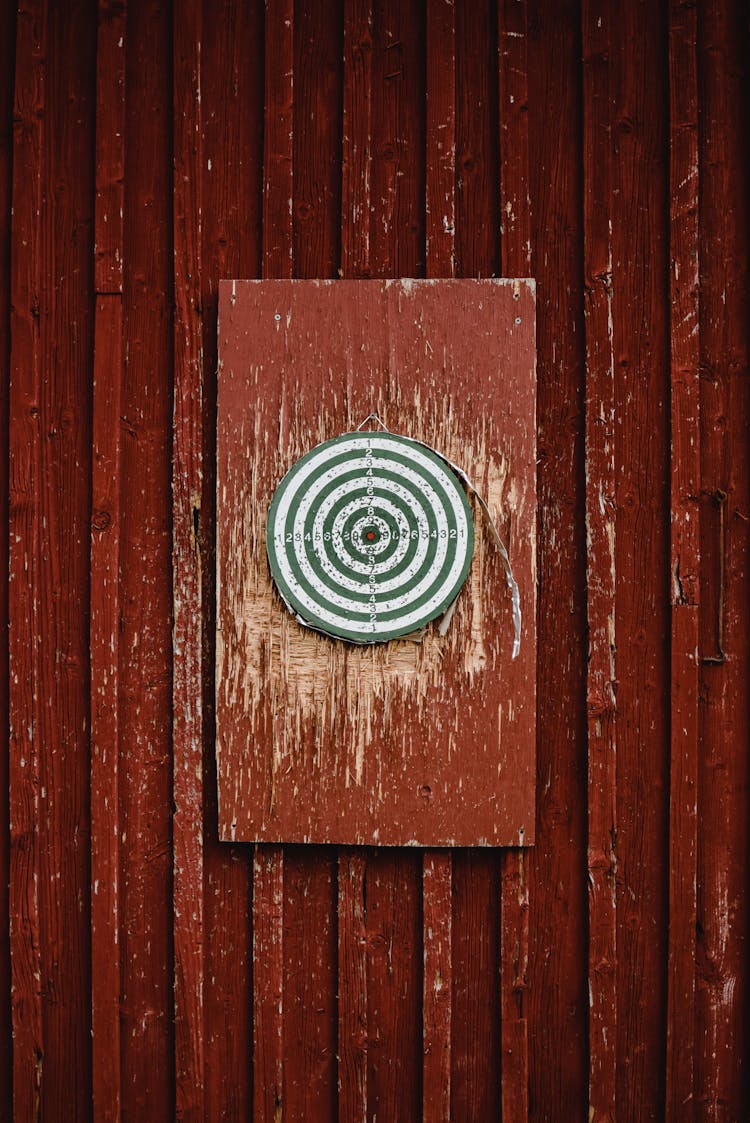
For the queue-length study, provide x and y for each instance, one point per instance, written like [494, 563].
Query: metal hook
[372, 417]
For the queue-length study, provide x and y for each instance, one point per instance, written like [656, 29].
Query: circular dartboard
[369, 537]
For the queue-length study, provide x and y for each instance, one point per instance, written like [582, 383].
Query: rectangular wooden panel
[400, 743]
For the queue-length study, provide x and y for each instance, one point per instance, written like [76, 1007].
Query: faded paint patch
[315, 679]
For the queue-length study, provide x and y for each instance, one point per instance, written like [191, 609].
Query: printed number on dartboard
[369, 537]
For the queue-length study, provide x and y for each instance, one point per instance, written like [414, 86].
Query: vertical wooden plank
[685, 557]
[105, 716]
[310, 873]
[396, 248]
[356, 152]
[437, 865]
[105, 561]
[65, 420]
[268, 869]
[722, 1089]
[440, 237]
[397, 165]
[476, 1089]
[317, 138]
[640, 272]
[110, 147]
[557, 996]
[513, 84]
[352, 959]
[187, 611]
[478, 217]
[24, 517]
[145, 781]
[277, 158]
[437, 984]
[7, 63]
[49, 511]
[394, 991]
[268, 983]
[232, 95]
[356, 208]
[601, 574]
[310, 958]
[516, 261]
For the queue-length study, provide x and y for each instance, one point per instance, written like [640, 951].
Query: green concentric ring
[401, 493]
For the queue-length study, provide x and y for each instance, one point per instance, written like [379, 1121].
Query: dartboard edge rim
[316, 622]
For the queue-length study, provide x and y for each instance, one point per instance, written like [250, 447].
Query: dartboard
[369, 536]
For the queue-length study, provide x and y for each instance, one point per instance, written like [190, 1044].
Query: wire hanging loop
[374, 418]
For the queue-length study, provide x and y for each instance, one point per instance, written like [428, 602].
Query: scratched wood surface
[427, 744]
[7, 52]
[650, 96]
[723, 920]
[106, 491]
[601, 571]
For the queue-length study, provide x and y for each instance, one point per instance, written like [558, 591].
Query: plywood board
[402, 743]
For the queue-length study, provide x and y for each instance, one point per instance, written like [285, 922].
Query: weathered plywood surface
[403, 743]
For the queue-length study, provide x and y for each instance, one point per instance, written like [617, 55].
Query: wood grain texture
[721, 1080]
[232, 87]
[437, 984]
[407, 770]
[7, 63]
[31, 95]
[557, 996]
[268, 984]
[515, 256]
[642, 615]
[475, 1036]
[359, 135]
[317, 139]
[356, 206]
[513, 90]
[601, 568]
[49, 509]
[478, 217]
[105, 713]
[440, 250]
[311, 873]
[440, 161]
[106, 518]
[146, 775]
[397, 147]
[268, 869]
[278, 143]
[394, 994]
[356, 152]
[353, 1037]
[189, 936]
[685, 558]
[310, 976]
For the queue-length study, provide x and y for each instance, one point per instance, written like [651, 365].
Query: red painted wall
[146, 152]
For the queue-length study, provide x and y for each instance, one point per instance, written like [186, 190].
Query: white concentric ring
[401, 490]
